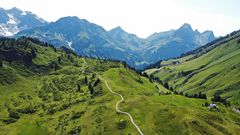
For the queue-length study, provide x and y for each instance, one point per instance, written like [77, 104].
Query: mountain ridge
[15, 20]
[91, 40]
[211, 69]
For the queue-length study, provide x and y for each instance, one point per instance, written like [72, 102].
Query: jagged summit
[186, 26]
[15, 20]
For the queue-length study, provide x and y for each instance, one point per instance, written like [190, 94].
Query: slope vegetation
[212, 69]
[44, 90]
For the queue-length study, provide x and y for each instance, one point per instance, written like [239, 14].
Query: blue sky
[140, 17]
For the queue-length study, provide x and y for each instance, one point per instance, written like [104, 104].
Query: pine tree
[1, 63]
[59, 60]
[90, 87]
[96, 82]
[166, 85]
[79, 88]
[86, 80]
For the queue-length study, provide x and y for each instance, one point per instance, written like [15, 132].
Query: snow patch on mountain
[39, 19]
[24, 13]
[14, 20]
[11, 20]
[70, 44]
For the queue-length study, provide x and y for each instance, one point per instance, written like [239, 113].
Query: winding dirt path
[119, 111]
[118, 102]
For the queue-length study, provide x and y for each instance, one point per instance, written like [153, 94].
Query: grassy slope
[153, 113]
[214, 72]
[171, 113]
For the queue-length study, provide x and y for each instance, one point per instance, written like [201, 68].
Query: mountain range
[54, 89]
[92, 40]
[14, 20]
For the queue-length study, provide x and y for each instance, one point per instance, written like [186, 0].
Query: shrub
[166, 85]
[121, 124]
[75, 130]
[27, 110]
[76, 115]
[9, 120]
[217, 98]
[13, 114]
[139, 80]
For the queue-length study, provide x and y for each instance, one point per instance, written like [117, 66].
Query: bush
[76, 115]
[217, 98]
[139, 80]
[121, 124]
[166, 85]
[75, 131]
[9, 120]
[51, 110]
[13, 114]
[27, 110]
[64, 107]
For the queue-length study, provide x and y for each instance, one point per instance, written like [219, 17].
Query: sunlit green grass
[215, 72]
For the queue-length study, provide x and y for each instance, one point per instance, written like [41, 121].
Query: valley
[211, 69]
[70, 76]
[52, 95]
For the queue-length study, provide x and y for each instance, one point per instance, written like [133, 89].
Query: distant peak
[117, 29]
[70, 18]
[197, 31]
[15, 9]
[208, 31]
[186, 26]
[72, 21]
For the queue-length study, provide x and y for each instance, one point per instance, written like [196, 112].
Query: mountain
[44, 90]
[91, 40]
[88, 39]
[14, 20]
[212, 69]
[173, 43]
[85, 38]
[125, 39]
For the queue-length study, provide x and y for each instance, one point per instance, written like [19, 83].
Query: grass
[171, 113]
[42, 100]
[214, 72]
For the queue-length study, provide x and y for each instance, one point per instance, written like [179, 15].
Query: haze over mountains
[92, 40]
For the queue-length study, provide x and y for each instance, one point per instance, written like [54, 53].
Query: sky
[140, 17]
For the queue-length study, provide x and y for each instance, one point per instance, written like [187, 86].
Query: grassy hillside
[212, 69]
[49, 91]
